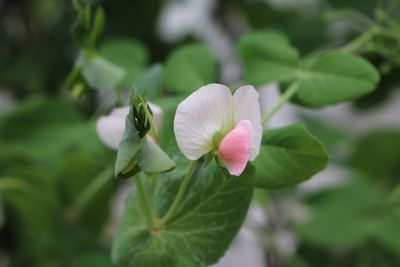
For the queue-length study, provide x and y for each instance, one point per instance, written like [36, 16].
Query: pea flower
[111, 128]
[213, 120]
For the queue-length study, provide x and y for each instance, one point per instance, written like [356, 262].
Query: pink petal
[235, 147]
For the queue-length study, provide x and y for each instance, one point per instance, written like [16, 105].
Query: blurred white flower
[111, 128]
[212, 120]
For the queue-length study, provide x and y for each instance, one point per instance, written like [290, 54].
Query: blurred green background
[50, 153]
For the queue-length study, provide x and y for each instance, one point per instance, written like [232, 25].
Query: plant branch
[145, 200]
[181, 192]
[91, 189]
[287, 95]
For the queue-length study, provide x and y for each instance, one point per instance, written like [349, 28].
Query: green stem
[145, 200]
[288, 94]
[357, 43]
[90, 191]
[181, 192]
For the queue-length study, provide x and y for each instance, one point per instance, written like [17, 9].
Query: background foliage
[58, 62]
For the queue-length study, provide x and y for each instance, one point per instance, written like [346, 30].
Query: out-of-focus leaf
[326, 79]
[343, 216]
[85, 175]
[150, 82]
[335, 77]
[268, 57]
[188, 68]
[378, 154]
[99, 72]
[44, 130]
[394, 203]
[212, 212]
[129, 55]
[289, 155]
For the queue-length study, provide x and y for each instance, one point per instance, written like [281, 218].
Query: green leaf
[267, 57]
[335, 77]
[343, 216]
[127, 54]
[189, 67]
[98, 72]
[327, 79]
[136, 154]
[394, 203]
[55, 129]
[210, 216]
[150, 82]
[288, 156]
[378, 154]
[128, 150]
[152, 159]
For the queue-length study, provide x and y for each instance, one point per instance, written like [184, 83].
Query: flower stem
[357, 43]
[145, 200]
[91, 189]
[181, 192]
[285, 97]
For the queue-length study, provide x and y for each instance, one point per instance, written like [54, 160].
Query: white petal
[121, 111]
[247, 107]
[198, 118]
[111, 128]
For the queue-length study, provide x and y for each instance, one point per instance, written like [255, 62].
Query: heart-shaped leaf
[289, 155]
[189, 67]
[210, 216]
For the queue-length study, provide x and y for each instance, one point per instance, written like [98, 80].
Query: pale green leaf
[100, 73]
[150, 82]
[267, 57]
[128, 150]
[189, 67]
[152, 159]
[127, 54]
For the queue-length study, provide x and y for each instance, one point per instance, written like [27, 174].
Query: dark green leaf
[212, 213]
[289, 155]
[343, 216]
[378, 154]
[189, 67]
[394, 203]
